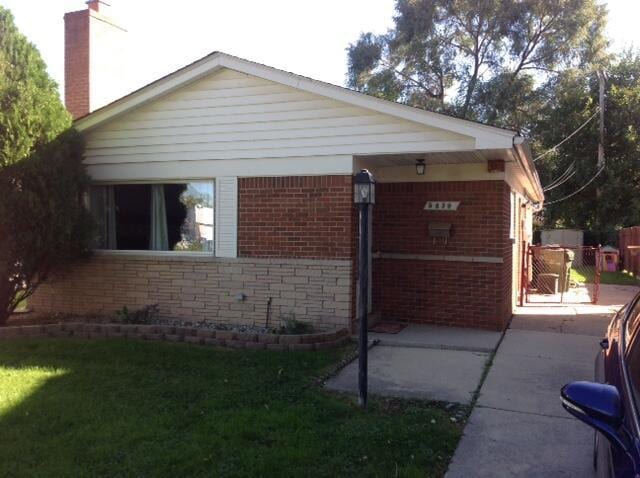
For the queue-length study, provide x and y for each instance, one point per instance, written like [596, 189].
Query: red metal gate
[560, 274]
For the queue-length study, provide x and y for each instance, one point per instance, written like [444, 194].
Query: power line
[579, 190]
[568, 137]
[564, 177]
[573, 173]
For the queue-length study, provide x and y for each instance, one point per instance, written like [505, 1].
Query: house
[224, 192]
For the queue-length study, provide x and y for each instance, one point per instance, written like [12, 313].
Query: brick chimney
[94, 49]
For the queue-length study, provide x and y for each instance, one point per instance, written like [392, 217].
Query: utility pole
[601, 82]
[601, 89]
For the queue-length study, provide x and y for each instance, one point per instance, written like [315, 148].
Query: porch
[445, 236]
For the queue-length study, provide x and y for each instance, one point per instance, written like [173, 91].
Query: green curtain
[159, 233]
[110, 226]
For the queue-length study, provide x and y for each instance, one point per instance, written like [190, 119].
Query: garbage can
[558, 261]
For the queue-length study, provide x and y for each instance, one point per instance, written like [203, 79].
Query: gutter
[524, 158]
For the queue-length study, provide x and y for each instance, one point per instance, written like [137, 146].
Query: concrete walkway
[434, 363]
[518, 427]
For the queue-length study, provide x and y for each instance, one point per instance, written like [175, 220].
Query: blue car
[611, 404]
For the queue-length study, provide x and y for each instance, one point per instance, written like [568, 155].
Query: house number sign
[442, 205]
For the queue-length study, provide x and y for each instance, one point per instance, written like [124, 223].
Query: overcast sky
[304, 37]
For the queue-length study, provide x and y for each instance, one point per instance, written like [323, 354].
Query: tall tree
[575, 101]
[44, 225]
[466, 56]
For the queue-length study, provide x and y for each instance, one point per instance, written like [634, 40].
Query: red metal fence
[629, 244]
[560, 274]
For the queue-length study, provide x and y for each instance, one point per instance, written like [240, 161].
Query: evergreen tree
[44, 225]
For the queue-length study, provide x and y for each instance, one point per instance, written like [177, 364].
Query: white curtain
[159, 232]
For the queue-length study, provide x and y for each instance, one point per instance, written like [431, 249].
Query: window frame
[513, 215]
[152, 253]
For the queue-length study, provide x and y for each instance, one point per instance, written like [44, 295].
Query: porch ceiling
[449, 157]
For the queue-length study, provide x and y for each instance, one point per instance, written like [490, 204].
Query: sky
[304, 37]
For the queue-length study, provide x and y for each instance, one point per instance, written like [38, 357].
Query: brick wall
[296, 216]
[195, 289]
[76, 62]
[457, 291]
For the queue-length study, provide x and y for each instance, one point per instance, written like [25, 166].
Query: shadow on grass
[130, 408]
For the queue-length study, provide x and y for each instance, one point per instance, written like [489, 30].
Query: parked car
[611, 403]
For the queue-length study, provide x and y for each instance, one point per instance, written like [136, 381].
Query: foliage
[613, 200]
[292, 326]
[587, 275]
[43, 223]
[118, 408]
[31, 113]
[487, 51]
[145, 315]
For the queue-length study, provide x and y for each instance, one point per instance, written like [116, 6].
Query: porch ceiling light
[420, 167]
[364, 188]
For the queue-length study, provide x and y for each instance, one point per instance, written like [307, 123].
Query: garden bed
[194, 334]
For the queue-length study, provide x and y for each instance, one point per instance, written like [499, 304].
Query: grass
[119, 408]
[586, 275]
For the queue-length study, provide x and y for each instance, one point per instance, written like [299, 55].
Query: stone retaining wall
[202, 288]
[194, 335]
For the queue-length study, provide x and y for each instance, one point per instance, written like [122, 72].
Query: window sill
[180, 254]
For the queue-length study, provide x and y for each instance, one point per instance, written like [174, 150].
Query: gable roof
[485, 137]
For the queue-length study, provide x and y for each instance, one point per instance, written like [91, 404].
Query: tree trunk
[7, 303]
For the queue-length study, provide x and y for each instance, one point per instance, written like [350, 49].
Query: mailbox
[440, 230]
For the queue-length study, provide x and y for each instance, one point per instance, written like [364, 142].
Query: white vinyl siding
[230, 115]
[226, 221]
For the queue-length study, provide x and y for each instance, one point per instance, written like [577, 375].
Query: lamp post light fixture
[364, 196]
[420, 167]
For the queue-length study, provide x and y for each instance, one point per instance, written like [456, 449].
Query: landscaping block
[225, 334]
[268, 339]
[247, 337]
[185, 331]
[167, 329]
[128, 329]
[256, 345]
[310, 338]
[214, 342]
[278, 347]
[206, 333]
[31, 330]
[194, 339]
[306, 347]
[173, 337]
[289, 339]
[235, 344]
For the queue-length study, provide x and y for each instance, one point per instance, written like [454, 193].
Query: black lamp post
[364, 197]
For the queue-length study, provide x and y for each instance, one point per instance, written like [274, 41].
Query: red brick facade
[307, 217]
[458, 291]
[76, 62]
[463, 282]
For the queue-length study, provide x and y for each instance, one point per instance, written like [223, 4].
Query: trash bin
[557, 261]
[548, 283]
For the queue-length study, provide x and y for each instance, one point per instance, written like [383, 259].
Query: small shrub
[145, 315]
[292, 326]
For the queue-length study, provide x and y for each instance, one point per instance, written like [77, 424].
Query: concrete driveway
[518, 427]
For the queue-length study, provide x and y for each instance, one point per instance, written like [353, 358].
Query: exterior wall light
[420, 167]
[364, 188]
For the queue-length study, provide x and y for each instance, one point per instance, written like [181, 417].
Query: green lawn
[119, 408]
[586, 274]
